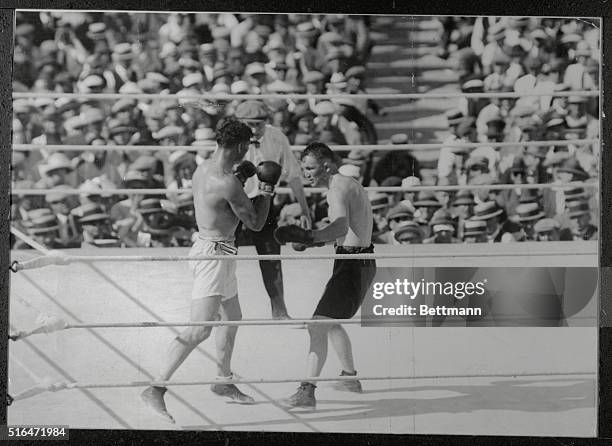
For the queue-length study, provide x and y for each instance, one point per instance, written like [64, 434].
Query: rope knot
[15, 266]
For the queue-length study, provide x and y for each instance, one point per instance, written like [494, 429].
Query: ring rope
[297, 148]
[60, 258]
[313, 190]
[30, 241]
[50, 324]
[229, 97]
[64, 385]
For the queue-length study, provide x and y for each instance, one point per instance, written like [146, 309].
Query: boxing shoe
[232, 392]
[351, 385]
[304, 397]
[153, 397]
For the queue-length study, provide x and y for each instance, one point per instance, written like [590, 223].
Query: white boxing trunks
[213, 277]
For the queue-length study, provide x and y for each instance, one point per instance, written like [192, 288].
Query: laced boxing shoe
[232, 392]
[351, 385]
[304, 397]
[153, 397]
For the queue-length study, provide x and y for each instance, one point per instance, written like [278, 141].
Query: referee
[270, 144]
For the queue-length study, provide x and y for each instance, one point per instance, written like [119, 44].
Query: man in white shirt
[270, 144]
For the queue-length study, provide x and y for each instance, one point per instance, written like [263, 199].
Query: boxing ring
[521, 381]
[106, 317]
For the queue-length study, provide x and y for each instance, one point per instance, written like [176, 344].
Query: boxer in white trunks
[220, 203]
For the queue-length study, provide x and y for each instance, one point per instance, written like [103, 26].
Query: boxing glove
[244, 171]
[293, 234]
[268, 173]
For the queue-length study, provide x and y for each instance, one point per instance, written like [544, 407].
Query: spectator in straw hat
[498, 65]
[125, 111]
[207, 57]
[528, 215]
[122, 134]
[324, 126]
[204, 137]
[396, 216]
[426, 205]
[94, 119]
[255, 75]
[92, 191]
[498, 228]
[309, 59]
[363, 161]
[127, 221]
[150, 169]
[22, 111]
[157, 225]
[576, 75]
[61, 203]
[124, 70]
[564, 173]
[546, 230]
[580, 227]
[450, 159]
[170, 135]
[408, 233]
[52, 130]
[55, 171]
[577, 116]
[99, 163]
[173, 114]
[516, 174]
[475, 231]
[183, 165]
[95, 227]
[380, 205]
[442, 227]
[43, 228]
[462, 208]
[536, 172]
[407, 184]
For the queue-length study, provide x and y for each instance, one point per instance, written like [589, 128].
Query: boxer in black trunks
[351, 229]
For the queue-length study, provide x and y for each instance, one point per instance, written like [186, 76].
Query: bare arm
[298, 191]
[338, 214]
[252, 214]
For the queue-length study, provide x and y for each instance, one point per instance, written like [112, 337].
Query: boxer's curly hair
[231, 132]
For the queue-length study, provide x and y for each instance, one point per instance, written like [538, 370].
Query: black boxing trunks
[347, 287]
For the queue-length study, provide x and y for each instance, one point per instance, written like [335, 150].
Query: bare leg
[204, 309]
[305, 395]
[342, 345]
[318, 347]
[225, 336]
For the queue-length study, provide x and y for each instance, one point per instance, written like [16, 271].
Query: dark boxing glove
[268, 173]
[244, 171]
[294, 234]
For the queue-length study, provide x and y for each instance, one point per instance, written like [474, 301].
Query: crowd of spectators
[190, 54]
